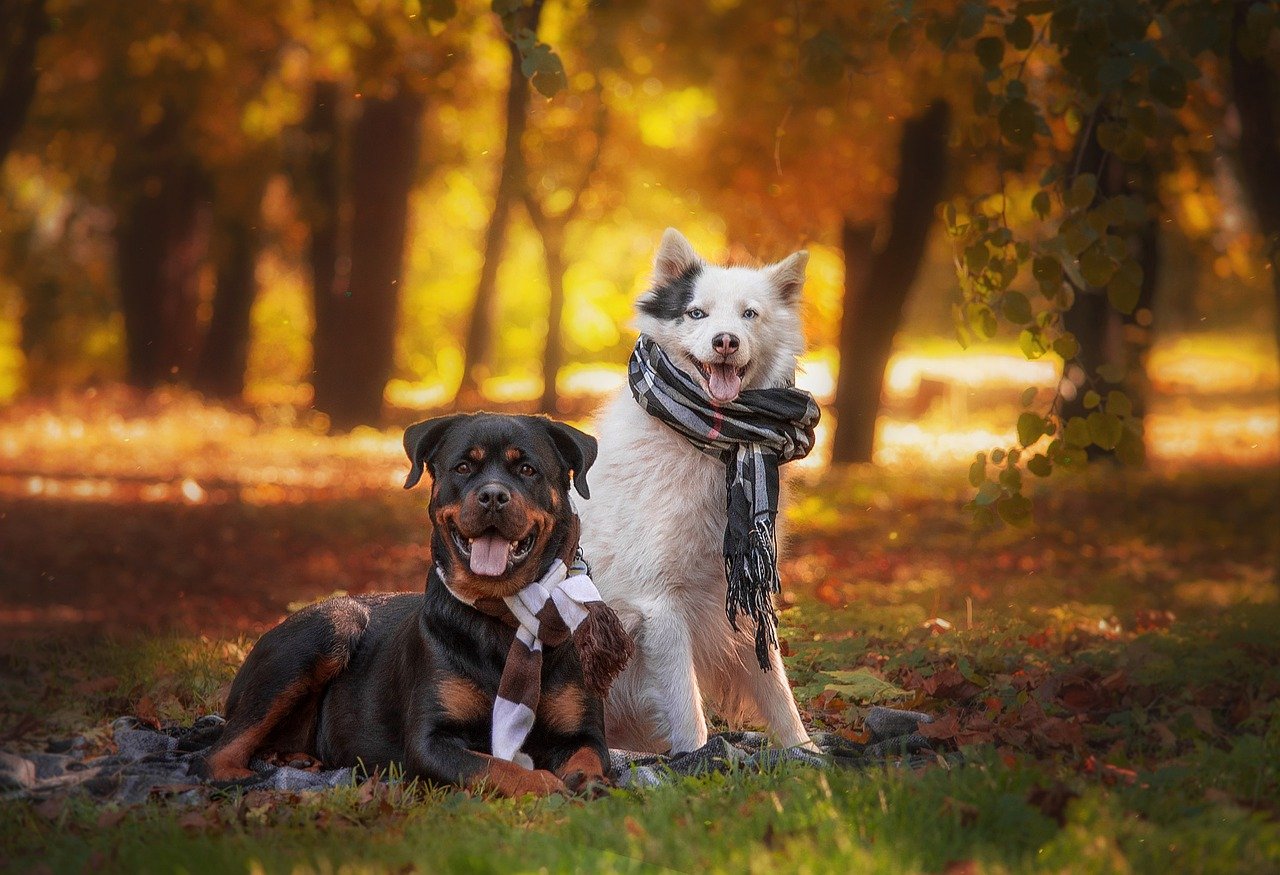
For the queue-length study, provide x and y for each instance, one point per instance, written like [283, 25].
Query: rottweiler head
[499, 507]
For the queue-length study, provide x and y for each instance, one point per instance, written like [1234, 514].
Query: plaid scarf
[564, 604]
[752, 436]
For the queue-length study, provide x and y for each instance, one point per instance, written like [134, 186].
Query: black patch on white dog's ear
[787, 276]
[577, 450]
[421, 440]
[675, 270]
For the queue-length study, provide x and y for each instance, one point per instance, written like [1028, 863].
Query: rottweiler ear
[421, 440]
[577, 450]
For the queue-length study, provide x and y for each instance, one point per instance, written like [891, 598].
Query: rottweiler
[411, 678]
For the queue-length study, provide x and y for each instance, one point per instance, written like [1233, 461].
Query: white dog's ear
[787, 276]
[675, 256]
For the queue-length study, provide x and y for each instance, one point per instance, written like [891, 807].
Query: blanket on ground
[153, 761]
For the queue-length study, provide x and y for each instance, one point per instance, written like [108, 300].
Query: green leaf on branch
[1077, 432]
[1096, 266]
[1112, 372]
[978, 470]
[988, 492]
[1048, 272]
[976, 256]
[1118, 403]
[1040, 465]
[1017, 309]
[1031, 344]
[1125, 288]
[1030, 428]
[440, 10]
[1091, 399]
[1018, 120]
[990, 51]
[1083, 189]
[1131, 450]
[1066, 346]
[1105, 429]
[1040, 203]
[1028, 395]
[1014, 510]
[982, 322]
[1019, 33]
[1011, 479]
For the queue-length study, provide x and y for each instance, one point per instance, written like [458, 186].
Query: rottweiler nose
[493, 496]
[725, 344]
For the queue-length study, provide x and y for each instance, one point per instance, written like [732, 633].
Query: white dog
[654, 528]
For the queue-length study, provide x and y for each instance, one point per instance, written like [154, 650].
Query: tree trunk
[478, 351]
[551, 230]
[225, 354]
[354, 342]
[1254, 91]
[22, 24]
[877, 283]
[553, 353]
[162, 241]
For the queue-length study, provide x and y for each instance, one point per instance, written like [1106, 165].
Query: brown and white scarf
[564, 604]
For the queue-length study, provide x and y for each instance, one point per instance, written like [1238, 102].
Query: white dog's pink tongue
[489, 555]
[725, 382]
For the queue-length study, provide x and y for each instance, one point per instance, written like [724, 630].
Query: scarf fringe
[603, 646]
[752, 572]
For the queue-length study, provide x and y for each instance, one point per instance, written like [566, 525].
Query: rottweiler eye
[462, 468]
[696, 313]
[749, 313]
[526, 470]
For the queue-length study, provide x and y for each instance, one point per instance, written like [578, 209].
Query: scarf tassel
[752, 572]
[603, 646]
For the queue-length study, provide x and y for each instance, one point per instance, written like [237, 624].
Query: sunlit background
[652, 128]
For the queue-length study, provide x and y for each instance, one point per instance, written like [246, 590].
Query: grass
[1110, 676]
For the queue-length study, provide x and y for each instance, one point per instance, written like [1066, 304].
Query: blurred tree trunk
[479, 342]
[22, 24]
[552, 229]
[357, 295]
[161, 195]
[552, 233]
[877, 282]
[1105, 335]
[1255, 92]
[225, 354]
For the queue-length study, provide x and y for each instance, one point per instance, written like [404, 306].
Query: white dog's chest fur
[657, 497]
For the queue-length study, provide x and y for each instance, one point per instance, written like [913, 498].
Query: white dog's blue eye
[749, 313]
[696, 313]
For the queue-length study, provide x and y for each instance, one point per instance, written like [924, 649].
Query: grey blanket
[151, 762]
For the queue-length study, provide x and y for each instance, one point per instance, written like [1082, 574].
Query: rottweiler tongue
[725, 384]
[489, 555]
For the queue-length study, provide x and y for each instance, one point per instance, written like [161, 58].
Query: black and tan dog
[411, 678]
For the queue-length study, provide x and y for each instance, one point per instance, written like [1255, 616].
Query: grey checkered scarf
[564, 604]
[752, 436]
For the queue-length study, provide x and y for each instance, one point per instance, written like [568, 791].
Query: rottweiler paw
[586, 784]
[540, 782]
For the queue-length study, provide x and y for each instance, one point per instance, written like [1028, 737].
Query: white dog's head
[731, 328]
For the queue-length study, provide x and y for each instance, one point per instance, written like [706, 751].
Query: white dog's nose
[725, 343]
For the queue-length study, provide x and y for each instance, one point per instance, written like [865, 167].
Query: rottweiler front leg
[446, 759]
